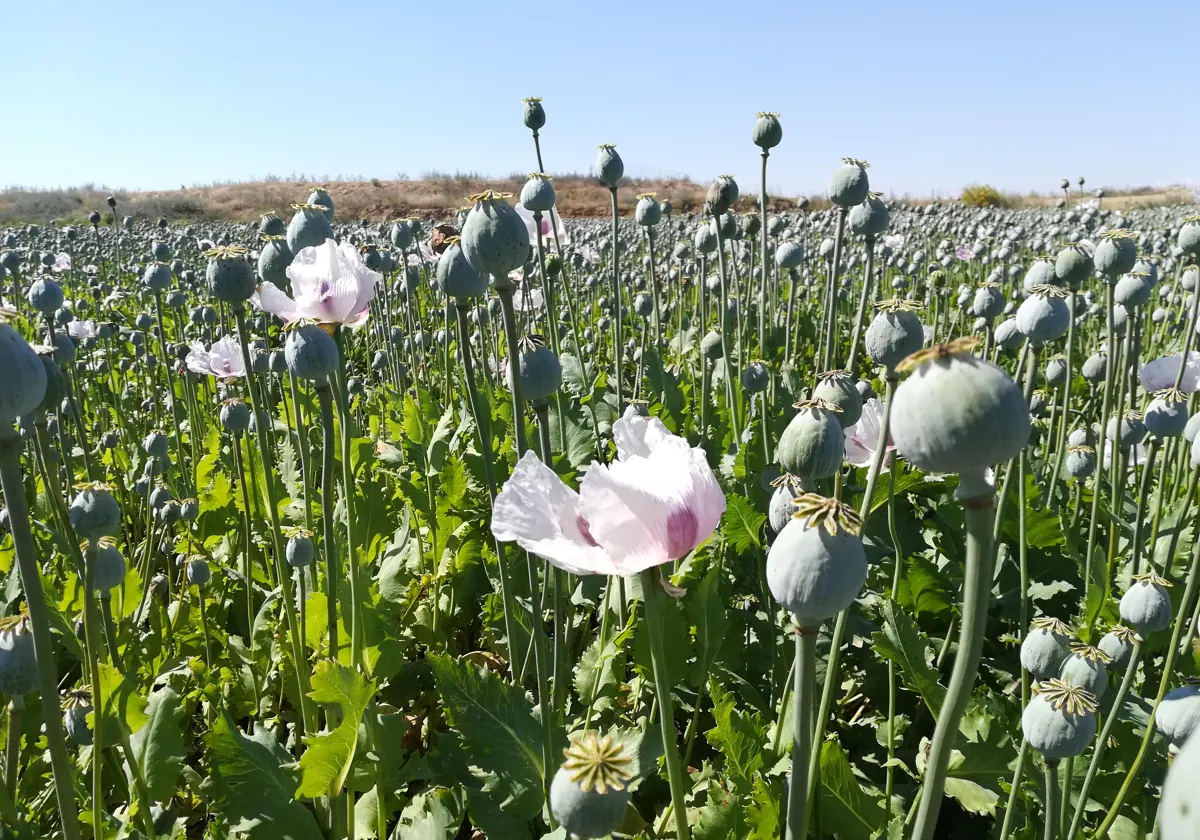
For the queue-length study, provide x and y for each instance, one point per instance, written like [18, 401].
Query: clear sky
[934, 94]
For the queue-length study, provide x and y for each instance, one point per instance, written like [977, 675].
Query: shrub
[982, 195]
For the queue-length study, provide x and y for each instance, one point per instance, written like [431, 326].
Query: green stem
[977, 588]
[662, 686]
[333, 571]
[1051, 803]
[803, 690]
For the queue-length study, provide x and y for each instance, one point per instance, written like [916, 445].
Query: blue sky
[934, 94]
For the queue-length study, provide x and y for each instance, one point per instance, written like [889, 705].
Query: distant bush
[981, 195]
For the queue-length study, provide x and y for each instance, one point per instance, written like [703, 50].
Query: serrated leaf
[846, 809]
[394, 577]
[122, 705]
[902, 642]
[496, 719]
[439, 441]
[158, 746]
[742, 525]
[249, 788]
[327, 760]
[739, 737]
[923, 587]
[762, 814]
[721, 818]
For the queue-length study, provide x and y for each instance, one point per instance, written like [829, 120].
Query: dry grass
[435, 195]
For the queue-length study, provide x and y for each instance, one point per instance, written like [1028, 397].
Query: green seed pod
[869, 219]
[705, 239]
[401, 234]
[109, 571]
[537, 196]
[782, 504]
[988, 301]
[1087, 667]
[24, 384]
[311, 353]
[495, 239]
[1145, 606]
[534, 116]
[1073, 266]
[1060, 721]
[1044, 648]
[157, 277]
[273, 261]
[456, 276]
[1008, 335]
[849, 185]
[894, 334]
[541, 372]
[308, 228]
[300, 550]
[1094, 368]
[711, 346]
[45, 295]
[1178, 715]
[18, 663]
[1080, 462]
[1116, 253]
[230, 278]
[1134, 289]
[1179, 808]
[789, 254]
[812, 445]
[1166, 416]
[1041, 273]
[767, 130]
[94, 513]
[609, 166]
[958, 414]
[77, 705]
[198, 573]
[235, 416]
[1044, 315]
[271, 225]
[647, 213]
[1129, 431]
[1118, 643]
[319, 197]
[722, 195]
[756, 377]
[588, 796]
[817, 565]
[1189, 236]
[839, 389]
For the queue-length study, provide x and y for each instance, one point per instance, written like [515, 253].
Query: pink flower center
[586, 533]
[682, 529]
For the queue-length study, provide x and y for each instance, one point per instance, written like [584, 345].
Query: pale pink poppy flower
[547, 230]
[1161, 373]
[330, 284]
[80, 330]
[532, 302]
[223, 360]
[657, 502]
[895, 241]
[965, 252]
[1134, 457]
[927, 333]
[62, 262]
[863, 437]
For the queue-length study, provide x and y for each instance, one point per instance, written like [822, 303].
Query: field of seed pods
[870, 522]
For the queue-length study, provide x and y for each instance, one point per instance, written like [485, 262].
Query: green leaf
[743, 525]
[846, 809]
[394, 577]
[902, 642]
[435, 814]
[577, 430]
[121, 704]
[721, 817]
[496, 719]
[739, 737]
[924, 588]
[439, 443]
[706, 611]
[327, 760]
[248, 786]
[762, 815]
[158, 746]
[601, 671]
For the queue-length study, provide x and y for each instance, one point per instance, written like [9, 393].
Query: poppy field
[874, 521]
